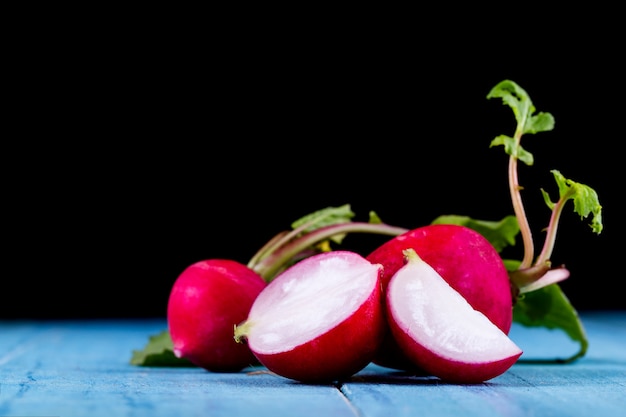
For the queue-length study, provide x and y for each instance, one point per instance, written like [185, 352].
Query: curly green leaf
[513, 148]
[585, 199]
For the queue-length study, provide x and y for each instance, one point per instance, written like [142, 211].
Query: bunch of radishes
[437, 298]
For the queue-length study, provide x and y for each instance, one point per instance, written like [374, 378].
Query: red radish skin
[342, 349]
[465, 259]
[207, 300]
[439, 331]
[319, 321]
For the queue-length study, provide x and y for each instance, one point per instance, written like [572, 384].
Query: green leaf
[374, 218]
[325, 217]
[515, 97]
[519, 101]
[549, 307]
[585, 199]
[500, 234]
[513, 149]
[541, 122]
[159, 351]
[511, 264]
[527, 123]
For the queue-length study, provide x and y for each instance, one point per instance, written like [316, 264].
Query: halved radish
[439, 331]
[320, 320]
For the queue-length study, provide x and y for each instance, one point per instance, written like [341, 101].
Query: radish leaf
[549, 307]
[158, 352]
[500, 234]
[585, 199]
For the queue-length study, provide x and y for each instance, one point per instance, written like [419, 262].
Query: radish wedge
[440, 331]
[465, 259]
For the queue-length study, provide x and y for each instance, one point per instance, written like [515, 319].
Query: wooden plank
[82, 369]
[78, 368]
[583, 389]
[593, 385]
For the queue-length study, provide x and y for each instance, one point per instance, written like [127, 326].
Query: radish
[321, 320]
[465, 259]
[207, 299]
[440, 331]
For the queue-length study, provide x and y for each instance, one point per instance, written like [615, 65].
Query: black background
[141, 151]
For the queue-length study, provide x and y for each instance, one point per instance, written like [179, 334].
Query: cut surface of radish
[308, 300]
[320, 320]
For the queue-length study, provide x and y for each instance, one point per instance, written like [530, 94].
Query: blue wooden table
[82, 368]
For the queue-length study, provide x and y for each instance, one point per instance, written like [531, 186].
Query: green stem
[269, 265]
[553, 226]
[520, 213]
[518, 205]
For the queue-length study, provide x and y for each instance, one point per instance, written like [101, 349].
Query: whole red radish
[320, 320]
[207, 300]
[439, 331]
[465, 259]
